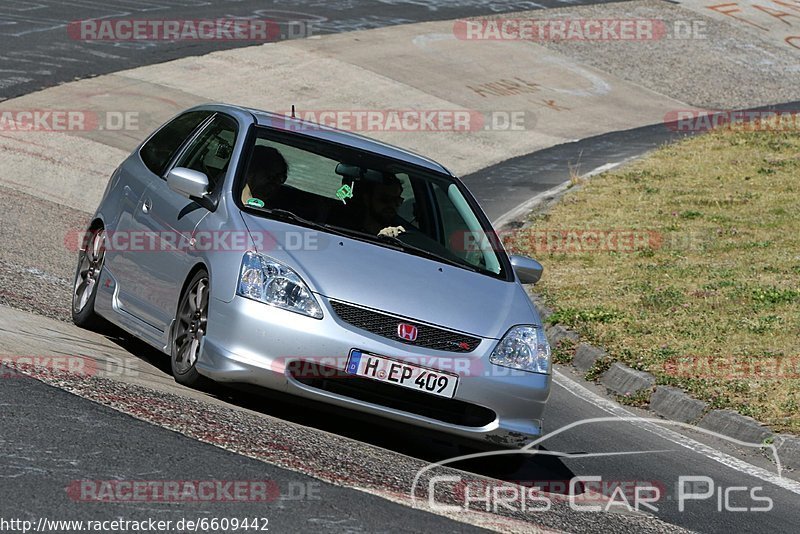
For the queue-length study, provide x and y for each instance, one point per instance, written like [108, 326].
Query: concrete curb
[788, 447]
[737, 426]
[557, 333]
[673, 403]
[670, 402]
[586, 356]
[623, 380]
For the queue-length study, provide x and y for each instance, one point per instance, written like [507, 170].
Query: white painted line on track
[709, 452]
[527, 205]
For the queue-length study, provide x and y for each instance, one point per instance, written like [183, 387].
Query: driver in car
[381, 203]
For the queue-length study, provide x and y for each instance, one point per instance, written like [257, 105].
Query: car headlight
[271, 282]
[523, 347]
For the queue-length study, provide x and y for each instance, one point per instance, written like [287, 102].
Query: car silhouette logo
[407, 332]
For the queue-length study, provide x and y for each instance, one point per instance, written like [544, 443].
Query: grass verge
[686, 264]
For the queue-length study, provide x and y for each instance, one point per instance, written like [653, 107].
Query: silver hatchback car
[254, 248]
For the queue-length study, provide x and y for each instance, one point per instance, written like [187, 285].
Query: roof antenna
[293, 111]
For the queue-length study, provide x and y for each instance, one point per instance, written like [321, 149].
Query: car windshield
[373, 198]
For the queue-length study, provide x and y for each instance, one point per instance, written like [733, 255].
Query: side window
[210, 153]
[453, 224]
[160, 149]
[463, 234]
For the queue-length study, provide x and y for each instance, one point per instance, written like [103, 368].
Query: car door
[125, 251]
[173, 218]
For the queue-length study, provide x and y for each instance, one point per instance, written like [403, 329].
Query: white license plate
[402, 374]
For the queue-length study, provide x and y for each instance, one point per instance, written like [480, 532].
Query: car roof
[276, 121]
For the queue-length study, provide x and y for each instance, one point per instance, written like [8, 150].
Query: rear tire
[188, 331]
[87, 277]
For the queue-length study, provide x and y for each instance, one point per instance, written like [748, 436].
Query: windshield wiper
[364, 236]
[425, 253]
[399, 244]
[287, 215]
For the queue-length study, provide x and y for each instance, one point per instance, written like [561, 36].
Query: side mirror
[187, 182]
[528, 270]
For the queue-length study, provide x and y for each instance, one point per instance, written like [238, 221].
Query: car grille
[364, 389]
[385, 325]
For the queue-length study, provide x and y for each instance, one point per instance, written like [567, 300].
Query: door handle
[147, 204]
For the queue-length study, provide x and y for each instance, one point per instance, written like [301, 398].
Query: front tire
[188, 331]
[87, 276]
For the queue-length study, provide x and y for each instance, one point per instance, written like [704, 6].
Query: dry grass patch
[706, 294]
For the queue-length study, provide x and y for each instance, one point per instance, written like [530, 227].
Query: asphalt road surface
[37, 51]
[52, 439]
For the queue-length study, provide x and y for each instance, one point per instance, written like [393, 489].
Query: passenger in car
[265, 175]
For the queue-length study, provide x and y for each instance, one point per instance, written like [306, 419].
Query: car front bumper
[252, 343]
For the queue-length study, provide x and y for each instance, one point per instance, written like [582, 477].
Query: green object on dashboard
[346, 191]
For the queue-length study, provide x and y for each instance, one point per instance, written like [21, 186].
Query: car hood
[396, 282]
